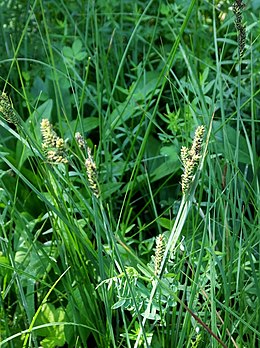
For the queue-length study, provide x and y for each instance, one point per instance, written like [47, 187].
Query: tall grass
[78, 235]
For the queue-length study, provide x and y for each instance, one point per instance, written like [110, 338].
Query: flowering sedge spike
[159, 251]
[6, 108]
[80, 140]
[197, 142]
[190, 159]
[52, 145]
[91, 170]
[241, 28]
[47, 134]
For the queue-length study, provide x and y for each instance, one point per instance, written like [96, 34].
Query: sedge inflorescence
[159, 251]
[91, 170]
[6, 108]
[238, 6]
[52, 145]
[190, 158]
[80, 140]
[90, 165]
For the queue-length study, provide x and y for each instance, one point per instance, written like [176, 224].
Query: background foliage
[135, 78]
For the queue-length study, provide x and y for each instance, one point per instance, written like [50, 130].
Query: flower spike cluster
[52, 145]
[6, 108]
[90, 165]
[91, 169]
[241, 28]
[80, 140]
[159, 251]
[190, 158]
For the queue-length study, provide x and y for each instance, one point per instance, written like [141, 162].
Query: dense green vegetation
[101, 242]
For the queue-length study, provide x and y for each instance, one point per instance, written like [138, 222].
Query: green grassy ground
[101, 243]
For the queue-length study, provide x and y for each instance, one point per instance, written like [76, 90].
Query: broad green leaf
[67, 51]
[231, 137]
[53, 342]
[85, 126]
[119, 304]
[166, 223]
[34, 120]
[170, 152]
[40, 89]
[80, 56]
[4, 261]
[146, 85]
[108, 189]
[122, 113]
[170, 165]
[166, 169]
[76, 47]
[50, 314]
